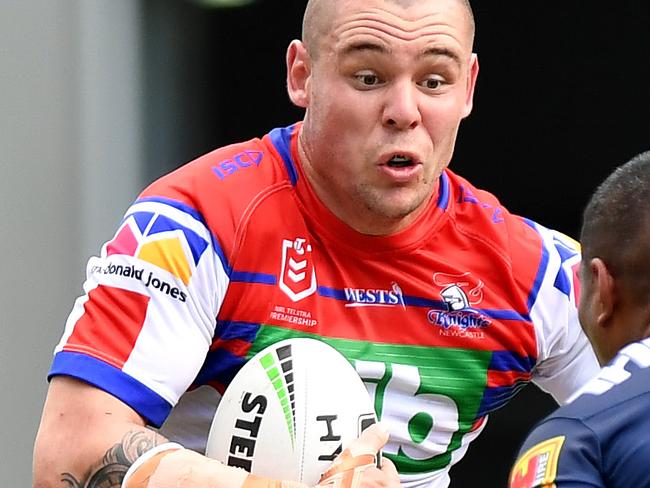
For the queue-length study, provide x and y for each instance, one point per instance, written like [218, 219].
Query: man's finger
[370, 441]
[389, 468]
[348, 467]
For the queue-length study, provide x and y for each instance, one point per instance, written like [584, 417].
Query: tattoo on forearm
[117, 460]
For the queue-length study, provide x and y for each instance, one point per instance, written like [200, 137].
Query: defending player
[601, 439]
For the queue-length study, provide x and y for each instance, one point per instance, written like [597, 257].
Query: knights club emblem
[298, 276]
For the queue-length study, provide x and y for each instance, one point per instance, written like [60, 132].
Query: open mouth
[400, 161]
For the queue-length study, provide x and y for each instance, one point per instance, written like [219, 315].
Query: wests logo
[364, 297]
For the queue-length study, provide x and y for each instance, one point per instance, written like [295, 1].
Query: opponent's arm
[560, 452]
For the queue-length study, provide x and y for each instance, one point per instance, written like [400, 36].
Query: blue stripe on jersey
[503, 314]
[281, 138]
[227, 330]
[443, 191]
[196, 242]
[177, 205]
[197, 216]
[440, 305]
[510, 361]
[250, 277]
[328, 292]
[112, 380]
[495, 398]
[541, 271]
[219, 365]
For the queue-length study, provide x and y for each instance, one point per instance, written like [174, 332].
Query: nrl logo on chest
[298, 275]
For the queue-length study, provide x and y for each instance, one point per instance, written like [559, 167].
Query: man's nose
[401, 107]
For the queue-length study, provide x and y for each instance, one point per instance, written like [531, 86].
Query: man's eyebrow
[434, 51]
[441, 51]
[356, 47]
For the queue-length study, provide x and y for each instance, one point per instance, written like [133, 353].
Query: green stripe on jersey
[452, 378]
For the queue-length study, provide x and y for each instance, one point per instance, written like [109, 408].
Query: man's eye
[368, 79]
[432, 83]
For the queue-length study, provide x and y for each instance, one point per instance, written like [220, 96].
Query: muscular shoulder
[224, 185]
[230, 176]
[508, 239]
[480, 215]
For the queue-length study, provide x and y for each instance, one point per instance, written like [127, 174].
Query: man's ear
[298, 73]
[472, 74]
[604, 292]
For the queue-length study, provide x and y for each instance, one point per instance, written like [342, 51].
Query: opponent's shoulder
[623, 383]
[597, 413]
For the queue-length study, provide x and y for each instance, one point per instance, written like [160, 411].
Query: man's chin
[399, 211]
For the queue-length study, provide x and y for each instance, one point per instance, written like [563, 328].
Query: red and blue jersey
[445, 321]
[601, 438]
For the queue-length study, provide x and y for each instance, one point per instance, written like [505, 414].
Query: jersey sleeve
[566, 360]
[560, 452]
[146, 321]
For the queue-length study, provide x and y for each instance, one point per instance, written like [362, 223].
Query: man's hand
[356, 467]
[353, 468]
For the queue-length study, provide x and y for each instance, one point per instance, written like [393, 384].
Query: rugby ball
[290, 411]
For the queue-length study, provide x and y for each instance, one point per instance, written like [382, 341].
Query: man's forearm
[87, 438]
[111, 468]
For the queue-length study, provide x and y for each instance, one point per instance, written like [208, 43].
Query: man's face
[388, 88]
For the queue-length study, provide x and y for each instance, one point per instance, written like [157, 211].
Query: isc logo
[244, 159]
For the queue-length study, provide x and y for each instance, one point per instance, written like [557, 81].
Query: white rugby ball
[290, 411]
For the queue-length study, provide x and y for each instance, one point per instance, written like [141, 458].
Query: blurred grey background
[70, 161]
[99, 97]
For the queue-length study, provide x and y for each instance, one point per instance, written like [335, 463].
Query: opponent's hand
[356, 466]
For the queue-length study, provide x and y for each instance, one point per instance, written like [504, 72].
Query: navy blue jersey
[600, 439]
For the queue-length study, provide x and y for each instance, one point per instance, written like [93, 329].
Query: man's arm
[87, 438]
[559, 452]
